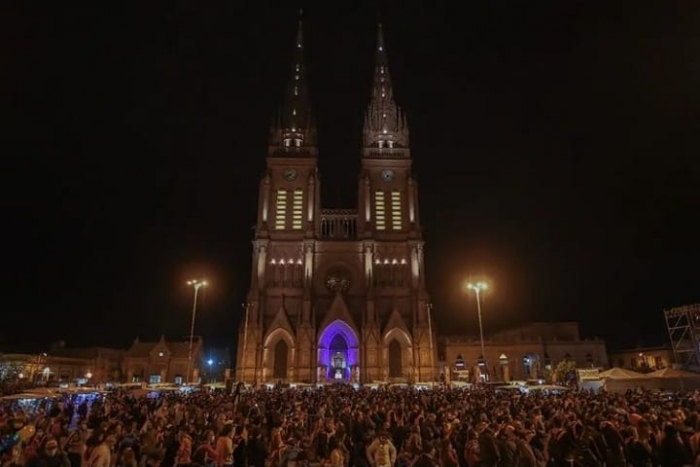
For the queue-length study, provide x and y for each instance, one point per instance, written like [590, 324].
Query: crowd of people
[339, 426]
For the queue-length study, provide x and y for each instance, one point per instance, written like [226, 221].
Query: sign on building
[588, 374]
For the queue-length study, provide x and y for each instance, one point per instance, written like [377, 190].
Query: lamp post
[432, 351]
[197, 284]
[245, 343]
[478, 287]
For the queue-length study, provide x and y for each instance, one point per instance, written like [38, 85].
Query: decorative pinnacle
[385, 123]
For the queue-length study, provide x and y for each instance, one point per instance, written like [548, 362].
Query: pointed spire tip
[380, 38]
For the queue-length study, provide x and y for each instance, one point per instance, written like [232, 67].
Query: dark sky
[555, 143]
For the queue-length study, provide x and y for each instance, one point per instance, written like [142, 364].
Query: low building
[643, 359]
[21, 366]
[163, 361]
[532, 351]
[93, 365]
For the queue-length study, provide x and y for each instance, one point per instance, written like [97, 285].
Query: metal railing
[338, 224]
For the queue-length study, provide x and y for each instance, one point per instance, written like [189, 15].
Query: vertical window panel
[396, 215]
[297, 209]
[281, 210]
[379, 210]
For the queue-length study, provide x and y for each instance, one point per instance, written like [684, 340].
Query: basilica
[338, 295]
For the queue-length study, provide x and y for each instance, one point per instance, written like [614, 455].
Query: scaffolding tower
[683, 325]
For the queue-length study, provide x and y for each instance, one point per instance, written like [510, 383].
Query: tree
[565, 370]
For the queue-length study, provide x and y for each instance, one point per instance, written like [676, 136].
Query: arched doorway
[279, 370]
[395, 360]
[338, 349]
[338, 368]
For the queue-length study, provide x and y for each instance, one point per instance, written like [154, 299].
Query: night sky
[555, 144]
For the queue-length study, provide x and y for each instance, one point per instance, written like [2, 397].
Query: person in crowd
[50, 455]
[381, 453]
[76, 445]
[427, 457]
[127, 458]
[224, 447]
[205, 454]
[101, 456]
[184, 452]
[337, 457]
[256, 450]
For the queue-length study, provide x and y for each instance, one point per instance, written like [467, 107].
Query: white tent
[621, 380]
[621, 373]
[673, 373]
[675, 380]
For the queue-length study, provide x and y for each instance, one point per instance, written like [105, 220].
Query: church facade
[337, 295]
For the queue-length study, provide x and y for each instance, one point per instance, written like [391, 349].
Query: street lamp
[197, 284]
[245, 345]
[210, 362]
[478, 287]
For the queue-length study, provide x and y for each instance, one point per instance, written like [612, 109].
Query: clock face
[290, 174]
[387, 175]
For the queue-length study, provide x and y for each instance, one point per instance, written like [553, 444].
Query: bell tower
[288, 211]
[387, 194]
[389, 225]
[289, 189]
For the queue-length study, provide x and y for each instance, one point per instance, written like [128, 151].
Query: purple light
[332, 330]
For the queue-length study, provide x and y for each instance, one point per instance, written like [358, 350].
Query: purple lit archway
[338, 327]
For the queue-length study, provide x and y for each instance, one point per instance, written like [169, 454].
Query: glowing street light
[197, 284]
[479, 287]
[210, 362]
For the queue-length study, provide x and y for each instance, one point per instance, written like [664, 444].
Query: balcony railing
[338, 224]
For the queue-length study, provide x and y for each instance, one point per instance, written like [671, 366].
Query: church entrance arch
[279, 370]
[395, 360]
[338, 353]
[398, 356]
[339, 359]
[278, 354]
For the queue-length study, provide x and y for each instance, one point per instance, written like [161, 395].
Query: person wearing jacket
[381, 453]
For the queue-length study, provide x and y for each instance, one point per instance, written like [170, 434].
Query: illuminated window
[379, 212]
[297, 208]
[281, 212]
[396, 221]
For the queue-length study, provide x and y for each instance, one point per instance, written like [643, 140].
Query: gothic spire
[385, 122]
[294, 128]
